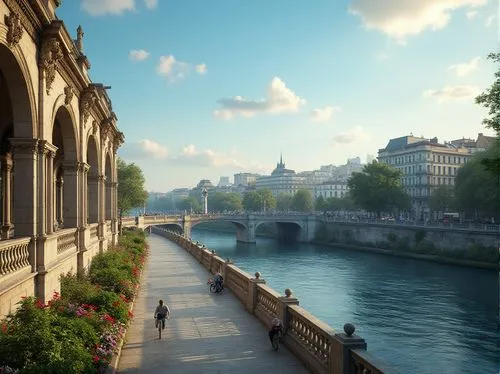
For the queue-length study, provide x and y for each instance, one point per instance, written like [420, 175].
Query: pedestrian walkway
[207, 333]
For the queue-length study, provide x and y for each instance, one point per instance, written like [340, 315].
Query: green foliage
[259, 200]
[222, 201]
[378, 189]
[336, 203]
[491, 98]
[303, 201]
[320, 204]
[131, 193]
[284, 202]
[189, 204]
[443, 199]
[75, 332]
[477, 189]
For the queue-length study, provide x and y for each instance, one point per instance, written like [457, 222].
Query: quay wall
[460, 246]
[316, 344]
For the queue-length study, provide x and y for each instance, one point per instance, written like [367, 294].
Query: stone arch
[93, 180]
[288, 231]
[67, 168]
[17, 120]
[17, 78]
[108, 171]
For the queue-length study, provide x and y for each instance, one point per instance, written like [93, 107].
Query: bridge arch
[287, 231]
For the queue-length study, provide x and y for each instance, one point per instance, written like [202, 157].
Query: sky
[209, 88]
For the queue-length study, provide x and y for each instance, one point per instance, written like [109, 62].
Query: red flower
[130, 314]
[96, 358]
[5, 329]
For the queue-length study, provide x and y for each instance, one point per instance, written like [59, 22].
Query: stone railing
[316, 344]
[128, 221]
[66, 239]
[94, 232]
[14, 255]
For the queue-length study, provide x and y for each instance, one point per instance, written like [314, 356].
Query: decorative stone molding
[87, 101]
[102, 178]
[68, 92]
[24, 145]
[95, 127]
[50, 56]
[14, 29]
[47, 149]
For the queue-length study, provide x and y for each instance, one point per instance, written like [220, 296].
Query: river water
[417, 316]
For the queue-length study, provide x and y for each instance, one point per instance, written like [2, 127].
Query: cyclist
[218, 279]
[161, 312]
[276, 327]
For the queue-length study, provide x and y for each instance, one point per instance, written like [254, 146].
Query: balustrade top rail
[294, 215]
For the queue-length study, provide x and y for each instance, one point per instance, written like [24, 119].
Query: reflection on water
[419, 317]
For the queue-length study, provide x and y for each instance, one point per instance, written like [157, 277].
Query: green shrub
[112, 304]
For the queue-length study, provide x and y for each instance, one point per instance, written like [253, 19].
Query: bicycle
[276, 340]
[160, 322]
[215, 287]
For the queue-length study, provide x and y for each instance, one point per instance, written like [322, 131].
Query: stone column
[286, 300]
[60, 201]
[108, 200]
[94, 199]
[49, 153]
[252, 292]
[71, 198]
[84, 170]
[7, 165]
[25, 186]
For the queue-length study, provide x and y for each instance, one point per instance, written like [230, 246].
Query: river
[417, 316]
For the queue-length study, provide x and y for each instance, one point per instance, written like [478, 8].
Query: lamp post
[204, 194]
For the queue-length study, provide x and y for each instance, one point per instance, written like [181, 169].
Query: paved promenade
[207, 333]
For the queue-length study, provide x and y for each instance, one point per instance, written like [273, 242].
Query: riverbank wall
[458, 247]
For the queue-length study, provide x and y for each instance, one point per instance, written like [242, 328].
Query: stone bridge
[291, 227]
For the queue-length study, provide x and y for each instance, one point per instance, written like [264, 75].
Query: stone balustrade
[94, 232]
[66, 239]
[108, 226]
[14, 255]
[315, 343]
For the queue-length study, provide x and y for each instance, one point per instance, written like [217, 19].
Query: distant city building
[427, 164]
[179, 194]
[370, 159]
[223, 182]
[343, 172]
[245, 179]
[329, 189]
[281, 180]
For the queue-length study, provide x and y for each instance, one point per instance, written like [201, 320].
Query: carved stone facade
[60, 143]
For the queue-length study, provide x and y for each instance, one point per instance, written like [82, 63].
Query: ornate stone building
[58, 144]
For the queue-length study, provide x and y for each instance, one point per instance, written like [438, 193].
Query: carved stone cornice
[68, 93]
[73, 166]
[50, 56]
[14, 29]
[27, 17]
[24, 145]
[47, 149]
[87, 102]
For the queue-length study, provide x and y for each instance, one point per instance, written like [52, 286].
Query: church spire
[281, 158]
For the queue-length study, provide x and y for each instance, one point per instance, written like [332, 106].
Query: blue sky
[204, 88]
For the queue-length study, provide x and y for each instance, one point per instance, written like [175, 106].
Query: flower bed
[79, 330]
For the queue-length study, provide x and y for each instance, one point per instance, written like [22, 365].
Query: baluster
[10, 267]
[2, 263]
[17, 258]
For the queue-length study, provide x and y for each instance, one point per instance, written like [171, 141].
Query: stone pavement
[207, 333]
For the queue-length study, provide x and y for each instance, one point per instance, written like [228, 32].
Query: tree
[131, 193]
[378, 189]
[442, 199]
[337, 203]
[321, 204]
[303, 201]
[259, 200]
[477, 189]
[284, 202]
[190, 204]
[222, 201]
[491, 99]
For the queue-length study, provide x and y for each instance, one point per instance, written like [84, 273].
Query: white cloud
[461, 70]
[279, 99]
[489, 20]
[201, 69]
[144, 149]
[324, 114]
[471, 14]
[452, 93]
[190, 156]
[400, 18]
[355, 135]
[138, 54]
[174, 69]
[151, 4]
[102, 7]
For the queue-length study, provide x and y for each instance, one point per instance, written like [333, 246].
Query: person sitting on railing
[276, 327]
